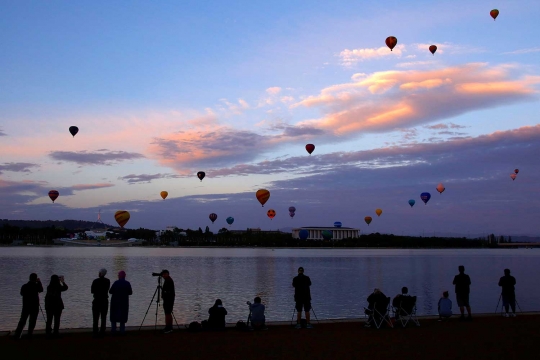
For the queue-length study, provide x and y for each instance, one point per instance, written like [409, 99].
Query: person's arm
[130, 290]
[63, 287]
[500, 281]
[454, 282]
[224, 311]
[22, 289]
[294, 282]
[93, 287]
[513, 280]
[439, 305]
[309, 281]
[469, 279]
[112, 289]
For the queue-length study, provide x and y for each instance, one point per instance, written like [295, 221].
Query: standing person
[30, 293]
[100, 305]
[302, 297]
[54, 304]
[120, 291]
[462, 282]
[167, 294]
[216, 320]
[508, 294]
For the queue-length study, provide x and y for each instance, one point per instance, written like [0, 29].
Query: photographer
[302, 297]
[167, 294]
[257, 314]
[54, 304]
[29, 292]
[100, 305]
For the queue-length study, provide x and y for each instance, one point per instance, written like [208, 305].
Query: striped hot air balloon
[121, 217]
[262, 195]
[212, 217]
[53, 194]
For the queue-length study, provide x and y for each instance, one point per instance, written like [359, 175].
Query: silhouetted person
[100, 305]
[302, 297]
[508, 294]
[444, 306]
[29, 292]
[462, 282]
[167, 294]
[376, 300]
[216, 320]
[54, 304]
[120, 291]
[399, 301]
[258, 320]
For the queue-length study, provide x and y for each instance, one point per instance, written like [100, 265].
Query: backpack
[194, 326]
[240, 325]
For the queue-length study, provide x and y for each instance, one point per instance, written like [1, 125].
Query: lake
[342, 279]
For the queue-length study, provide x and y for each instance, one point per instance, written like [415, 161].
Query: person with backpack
[462, 282]
[30, 294]
[302, 297]
[54, 305]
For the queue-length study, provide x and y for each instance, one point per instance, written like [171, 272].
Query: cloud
[387, 100]
[81, 187]
[352, 57]
[523, 51]
[147, 178]
[236, 109]
[273, 90]
[17, 167]
[444, 126]
[99, 157]
[447, 47]
[2, 133]
[415, 63]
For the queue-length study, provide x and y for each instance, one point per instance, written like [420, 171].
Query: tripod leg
[519, 307]
[318, 322]
[44, 319]
[151, 301]
[500, 296]
[292, 318]
[174, 317]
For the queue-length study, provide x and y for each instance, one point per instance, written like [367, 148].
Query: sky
[162, 90]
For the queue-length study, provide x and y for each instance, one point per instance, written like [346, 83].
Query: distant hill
[65, 224]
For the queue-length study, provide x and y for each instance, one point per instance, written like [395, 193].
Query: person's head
[300, 270]
[33, 277]
[445, 294]
[55, 279]
[376, 291]
[102, 272]
[507, 272]
[165, 274]
[461, 269]
[218, 303]
[257, 300]
[404, 290]
[121, 274]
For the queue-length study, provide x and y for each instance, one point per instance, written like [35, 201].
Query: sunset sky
[161, 90]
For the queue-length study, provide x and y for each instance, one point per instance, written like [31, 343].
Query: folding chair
[380, 313]
[406, 311]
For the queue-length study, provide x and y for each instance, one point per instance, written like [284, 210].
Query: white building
[338, 233]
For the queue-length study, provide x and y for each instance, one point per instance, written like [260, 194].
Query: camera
[159, 273]
[248, 302]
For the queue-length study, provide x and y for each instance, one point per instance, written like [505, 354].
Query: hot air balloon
[53, 194]
[164, 194]
[391, 42]
[262, 195]
[494, 13]
[513, 176]
[433, 48]
[310, 148]
[378, 212]
[212, 217]
[229, 220]
[440, 188]
[425, 196]
[271, 214]
[412, 202]
[73, 130]
[121, 217]
[337, 224]
[303, 234]
[291, 214]
[201, 175]
[516, 171]
[327, 234]
[292, 209]
[368, 219]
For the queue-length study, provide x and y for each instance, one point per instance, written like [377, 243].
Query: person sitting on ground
[376, 301]
[257, 314]
[444, 306]
[216, 321]
[402, 301]
[508, 294]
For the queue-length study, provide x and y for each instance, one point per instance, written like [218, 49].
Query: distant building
[338, 233]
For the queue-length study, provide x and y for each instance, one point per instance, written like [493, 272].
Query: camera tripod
[158, 300]
[312, 310]
[498, 302]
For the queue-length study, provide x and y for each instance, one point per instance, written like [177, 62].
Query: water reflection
[342, 279]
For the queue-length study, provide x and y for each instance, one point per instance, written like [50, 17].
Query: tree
[509, 239]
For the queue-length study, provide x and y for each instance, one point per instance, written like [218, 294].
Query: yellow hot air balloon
[440, 188]
[121, 217]
[163, 194]
[262, 195]
[378, 212]
[368, 219]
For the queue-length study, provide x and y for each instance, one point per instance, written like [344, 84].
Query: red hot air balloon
[513, 176]
[53, 194]
[310, 148]
[433, 48]
[494, 13]
[271, 213]
[391, 42]
[516, 171]
[201, 175]
[212, 217]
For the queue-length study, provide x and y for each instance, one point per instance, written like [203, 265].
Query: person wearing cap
[30, 293]
[120, 291]
[167, 294]
[302, 297]
[100, 304]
